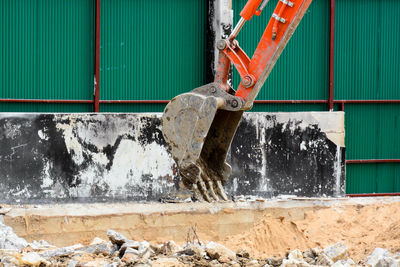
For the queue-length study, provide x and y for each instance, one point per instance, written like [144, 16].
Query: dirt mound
[361, 228]
[271, 236]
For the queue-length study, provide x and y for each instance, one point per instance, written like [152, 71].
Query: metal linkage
[280, 19]
[291, 4]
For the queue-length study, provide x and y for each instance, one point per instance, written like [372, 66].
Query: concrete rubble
[122, 251]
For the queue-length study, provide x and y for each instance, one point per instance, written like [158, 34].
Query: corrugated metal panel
[367, 67]
[151, 50]
[372, 132]
[46, 51]
[372, 178]
[367, 51]
[302, 70]
[45, 107]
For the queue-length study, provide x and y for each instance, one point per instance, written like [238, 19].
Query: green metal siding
[302, 70]
[367, 57]
[46, 52]
[151, 50]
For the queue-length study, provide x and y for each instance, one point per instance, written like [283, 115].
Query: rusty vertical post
[331, 53]
[97, 59]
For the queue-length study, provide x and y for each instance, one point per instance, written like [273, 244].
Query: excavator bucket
[198, 127]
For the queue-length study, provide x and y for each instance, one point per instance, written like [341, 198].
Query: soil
[361, 228]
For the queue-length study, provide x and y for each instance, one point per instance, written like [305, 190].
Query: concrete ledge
[67, 224]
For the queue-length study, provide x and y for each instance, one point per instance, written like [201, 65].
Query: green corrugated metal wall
[367, 66]
[157, 49]
[46, 52]
[151, 50]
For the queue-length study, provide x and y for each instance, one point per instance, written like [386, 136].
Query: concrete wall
[117, 157]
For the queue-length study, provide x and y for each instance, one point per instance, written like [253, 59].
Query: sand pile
[361, 228]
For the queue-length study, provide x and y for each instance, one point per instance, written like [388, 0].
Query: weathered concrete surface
[51, 158]
[68, 224]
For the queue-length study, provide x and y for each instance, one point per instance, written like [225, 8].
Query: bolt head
[221, 44]
[247, 81]
[234, 103]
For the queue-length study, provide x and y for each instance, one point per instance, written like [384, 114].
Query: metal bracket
[275, 16]
[286, 2]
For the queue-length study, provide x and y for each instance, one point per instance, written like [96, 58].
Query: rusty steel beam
[360, 161]
[97, 59]
[62, 101]
[134, 101]
[369, 101]
[291, 101]
[373, 195]
[331, 53]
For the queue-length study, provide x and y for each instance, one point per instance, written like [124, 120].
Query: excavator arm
[199, 126]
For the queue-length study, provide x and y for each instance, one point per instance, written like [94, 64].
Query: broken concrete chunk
[344, 263]
[101, 248]
[141, 264]
[72, 263]
[9, 240]
[32, 259]
[215, 251]
[294, 263]
[143, 246]
[381, 257]
[42, 244]
[253, 263]
[132, 250]
[322, 259]
[65, 251]
[169, 248]
[129, 244]
[275, 261]
[97, 240]
[116, 238]
[336, 252]
[114, 264]
[316, 251]
[295, 255]
[309, 253]
[147, 253]
[130, 255]
[242, 253]
[193, 249]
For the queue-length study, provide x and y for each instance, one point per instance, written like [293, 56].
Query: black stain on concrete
[288, 169]
[290, 160]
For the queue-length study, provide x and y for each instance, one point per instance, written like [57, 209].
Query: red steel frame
[97, 59]
[331, 101]
[331, 53]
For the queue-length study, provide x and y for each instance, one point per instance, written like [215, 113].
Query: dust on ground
[361, 228]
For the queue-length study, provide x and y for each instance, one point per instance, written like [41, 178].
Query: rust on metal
[331, 53]
[97, 59]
